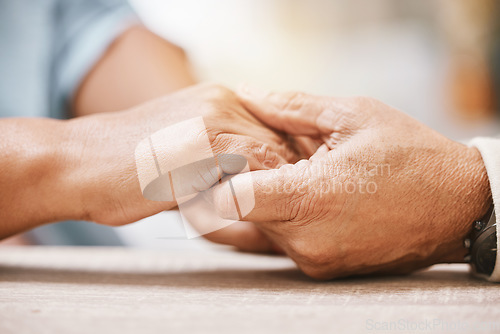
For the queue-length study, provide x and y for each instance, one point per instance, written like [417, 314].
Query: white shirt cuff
[490, 152]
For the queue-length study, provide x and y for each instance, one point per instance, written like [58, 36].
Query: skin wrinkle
[276, 141]
[294, 105]
[409, 222]
[294, 101]
[284, 209]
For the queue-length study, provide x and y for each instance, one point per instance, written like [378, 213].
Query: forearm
[137, 67]
[53, 170]
[34, 185]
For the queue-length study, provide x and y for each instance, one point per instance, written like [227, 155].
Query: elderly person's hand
[383, 194]
[110, 140]
[85, 168]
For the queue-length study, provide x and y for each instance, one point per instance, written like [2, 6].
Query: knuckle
[220, 142]
[265, 155]
[223, 143]
[357, 112]
[294, 100]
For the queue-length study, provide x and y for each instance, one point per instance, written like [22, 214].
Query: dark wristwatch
[482, 245]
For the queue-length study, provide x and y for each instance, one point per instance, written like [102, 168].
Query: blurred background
[435, 60]
[428, 58]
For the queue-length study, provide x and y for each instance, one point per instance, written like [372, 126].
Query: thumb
[294, 113]
[262, 196]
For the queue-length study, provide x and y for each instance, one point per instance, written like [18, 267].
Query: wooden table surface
[120, 290]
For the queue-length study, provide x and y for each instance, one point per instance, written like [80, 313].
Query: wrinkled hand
[104, 176]
[383, 193]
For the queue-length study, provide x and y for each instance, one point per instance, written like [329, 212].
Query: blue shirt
[46, 49]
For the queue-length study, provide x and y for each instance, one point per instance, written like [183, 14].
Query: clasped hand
[382, 194]
[375, 191]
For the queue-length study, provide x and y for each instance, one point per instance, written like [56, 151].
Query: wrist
[101, 172]
[62, 155]
[473, 202]
[80, 170]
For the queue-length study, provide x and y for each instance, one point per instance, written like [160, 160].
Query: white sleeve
[490, 152]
